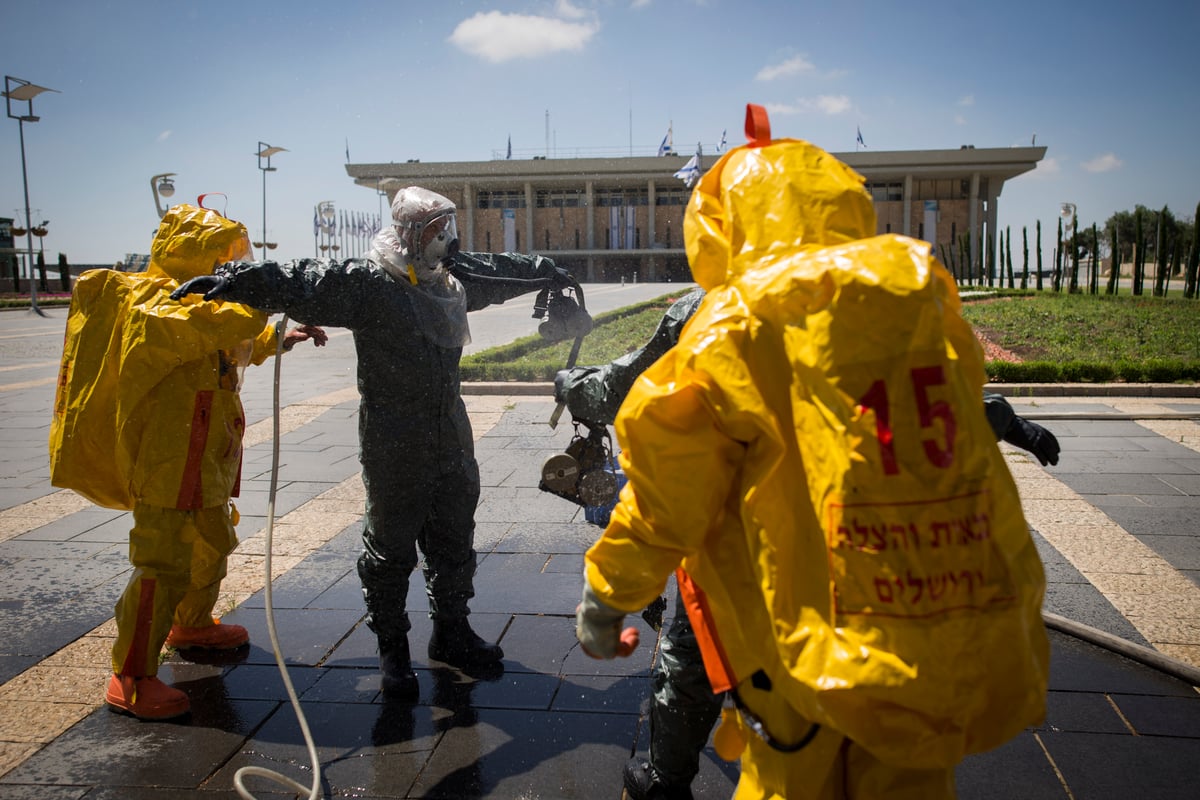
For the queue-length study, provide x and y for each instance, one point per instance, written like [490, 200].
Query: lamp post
[265, 151]
[162, 186]
[23, 92]
[1066, 211]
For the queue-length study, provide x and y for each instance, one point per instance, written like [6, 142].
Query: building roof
[1000, 163]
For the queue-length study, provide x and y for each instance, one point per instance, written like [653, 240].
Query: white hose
[314, 791]
[1143, 655]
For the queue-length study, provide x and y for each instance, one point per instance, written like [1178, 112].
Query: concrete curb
[1095, 389]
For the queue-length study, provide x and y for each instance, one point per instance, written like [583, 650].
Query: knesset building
[614, 219]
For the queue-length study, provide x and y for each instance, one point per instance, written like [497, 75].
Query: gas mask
[585, 473]
[430, 245]
[423, 237]
[562, 315]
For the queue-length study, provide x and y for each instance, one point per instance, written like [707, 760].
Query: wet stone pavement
[551, 723]
[1117, 523]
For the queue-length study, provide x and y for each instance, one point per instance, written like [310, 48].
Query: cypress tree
[1039, 255]
[1008, 255]
[1139, 244]
[1114, 271]
[64, 272]
[1161, 245]
[989, 262]
[1000, 259]
[1056, 281]
[1193, 265]
[1024, 257]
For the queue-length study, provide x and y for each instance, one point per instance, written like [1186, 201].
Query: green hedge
[1149, 371]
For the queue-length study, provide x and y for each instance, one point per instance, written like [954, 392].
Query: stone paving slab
[554, 723]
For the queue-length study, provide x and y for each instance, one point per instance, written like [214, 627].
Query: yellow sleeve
[683, 430]
[265, 344]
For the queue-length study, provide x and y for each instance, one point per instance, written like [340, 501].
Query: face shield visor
[238, 251]
[431, 243]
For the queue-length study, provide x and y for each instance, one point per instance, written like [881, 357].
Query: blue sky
[1111, 89]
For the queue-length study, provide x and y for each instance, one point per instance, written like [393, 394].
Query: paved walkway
[1118, 524]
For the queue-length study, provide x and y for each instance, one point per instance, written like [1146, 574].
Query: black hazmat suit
[416, 446]
[684, 708]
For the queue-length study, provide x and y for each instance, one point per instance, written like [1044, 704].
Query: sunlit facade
[613, 219]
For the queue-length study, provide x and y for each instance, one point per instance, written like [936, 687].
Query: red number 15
[923, 378]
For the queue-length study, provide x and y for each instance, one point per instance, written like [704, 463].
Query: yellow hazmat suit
[147, 417]
[814, 455]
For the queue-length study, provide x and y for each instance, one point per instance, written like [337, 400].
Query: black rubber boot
[454, 643]
[642, 783]
[399, 680]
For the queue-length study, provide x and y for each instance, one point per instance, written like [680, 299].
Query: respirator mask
[586, 473]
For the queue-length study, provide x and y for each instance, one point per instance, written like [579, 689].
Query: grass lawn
[1043, 337]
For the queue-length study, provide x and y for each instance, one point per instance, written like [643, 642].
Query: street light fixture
[23, 92]
[265, 151]
[40, 231]
[162, 186]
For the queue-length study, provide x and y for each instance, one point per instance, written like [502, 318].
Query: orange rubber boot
[210, 637]
[145, 698]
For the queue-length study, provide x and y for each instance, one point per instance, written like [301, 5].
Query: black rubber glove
[562, 279]
[1034, 438]
[211, 286]
[560, 385]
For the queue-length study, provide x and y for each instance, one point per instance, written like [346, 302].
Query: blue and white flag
[316, 222]
[858, 139]
[721, 146]
[509, 156]
[689, 173]
[665, 147]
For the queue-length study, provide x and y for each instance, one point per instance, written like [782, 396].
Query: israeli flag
[721, 146]
[665, 147]
[689, 173]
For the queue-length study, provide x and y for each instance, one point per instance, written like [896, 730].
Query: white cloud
[1105, 163]
[162, 137]
[959, 119]
[830, 105]
[833, 104]
[967, 100]
[564, 8]
[639, 3]
[793, 66]
[497, 37]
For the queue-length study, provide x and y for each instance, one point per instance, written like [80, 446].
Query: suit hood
[191, 241]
